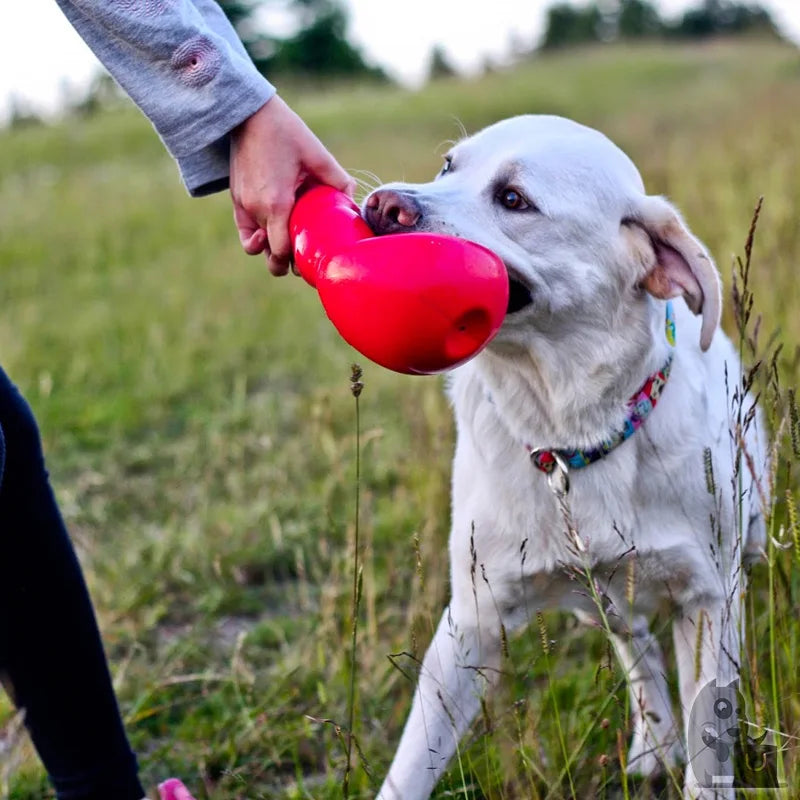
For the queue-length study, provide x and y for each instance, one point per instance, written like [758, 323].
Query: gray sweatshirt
[184, 66]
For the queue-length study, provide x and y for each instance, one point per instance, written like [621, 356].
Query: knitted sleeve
[184, 66]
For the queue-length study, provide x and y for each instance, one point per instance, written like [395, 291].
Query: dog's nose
[391, 211]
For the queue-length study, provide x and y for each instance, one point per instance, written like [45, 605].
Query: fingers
[264, 227]
[255, 243]
[252, 236]
[317, 166]
[273, 153]
[263, 224]
[280, 245]
[324, 169]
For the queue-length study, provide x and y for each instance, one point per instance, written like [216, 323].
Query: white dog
[585, 352]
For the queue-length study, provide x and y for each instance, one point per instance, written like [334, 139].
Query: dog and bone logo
[721, 752]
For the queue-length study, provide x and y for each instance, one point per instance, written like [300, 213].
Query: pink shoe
[173, 789]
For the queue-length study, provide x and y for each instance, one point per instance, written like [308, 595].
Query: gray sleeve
[184, 66]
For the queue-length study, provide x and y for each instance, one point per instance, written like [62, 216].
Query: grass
[199, 427]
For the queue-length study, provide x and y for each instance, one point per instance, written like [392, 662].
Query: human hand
[273, 153]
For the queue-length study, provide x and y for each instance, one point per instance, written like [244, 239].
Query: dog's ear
[682, 264]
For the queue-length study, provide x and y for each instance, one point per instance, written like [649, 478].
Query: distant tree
[637, 19]
[716, 17]
[21, 113]
[698, 22]
[752, 19]
[607, 20]
[319, 48]
[569, 25]
[241, 14]
[237, 11]
[440, 66]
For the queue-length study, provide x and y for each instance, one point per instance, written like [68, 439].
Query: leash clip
[557, 471]
[557, 475]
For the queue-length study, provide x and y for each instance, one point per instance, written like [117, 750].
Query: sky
[41, 56]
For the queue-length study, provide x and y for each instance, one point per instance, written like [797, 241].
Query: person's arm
[184, 66]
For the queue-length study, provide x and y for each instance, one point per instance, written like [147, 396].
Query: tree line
[318, 49]
[599, 21]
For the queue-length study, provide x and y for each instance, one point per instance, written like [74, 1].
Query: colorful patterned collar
[639, 407]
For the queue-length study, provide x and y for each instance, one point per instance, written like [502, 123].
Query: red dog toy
[418, 303]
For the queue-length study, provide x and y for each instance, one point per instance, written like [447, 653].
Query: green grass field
[200, 431]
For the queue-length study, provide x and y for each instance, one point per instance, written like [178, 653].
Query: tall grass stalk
[356, 386]
[769, 398]
[554, 700]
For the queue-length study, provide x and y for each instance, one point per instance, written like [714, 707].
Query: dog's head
[567, 212]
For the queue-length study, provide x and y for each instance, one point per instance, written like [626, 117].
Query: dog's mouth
[519, 294]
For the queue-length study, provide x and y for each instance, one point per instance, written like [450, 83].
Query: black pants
[51, 656]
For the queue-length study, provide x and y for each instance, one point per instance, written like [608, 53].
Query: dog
[597, 435]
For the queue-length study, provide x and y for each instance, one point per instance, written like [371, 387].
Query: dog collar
[640, 405]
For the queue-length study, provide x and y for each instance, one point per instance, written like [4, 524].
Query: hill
[200, 430]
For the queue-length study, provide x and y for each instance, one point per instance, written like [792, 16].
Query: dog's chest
[647, 499]
[624, 511]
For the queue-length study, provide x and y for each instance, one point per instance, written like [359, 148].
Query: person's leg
[51, 655]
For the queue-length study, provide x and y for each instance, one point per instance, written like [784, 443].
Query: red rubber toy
[417, 303]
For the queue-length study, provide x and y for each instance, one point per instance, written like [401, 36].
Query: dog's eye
[447, 166]
[512, 199]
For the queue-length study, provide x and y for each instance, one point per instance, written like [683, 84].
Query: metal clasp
[558, 480]
[558, 476]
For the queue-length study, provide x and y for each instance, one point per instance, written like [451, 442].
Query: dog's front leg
[462, 658]
[655, 734]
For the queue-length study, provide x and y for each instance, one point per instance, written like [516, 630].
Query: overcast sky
[40, 54]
